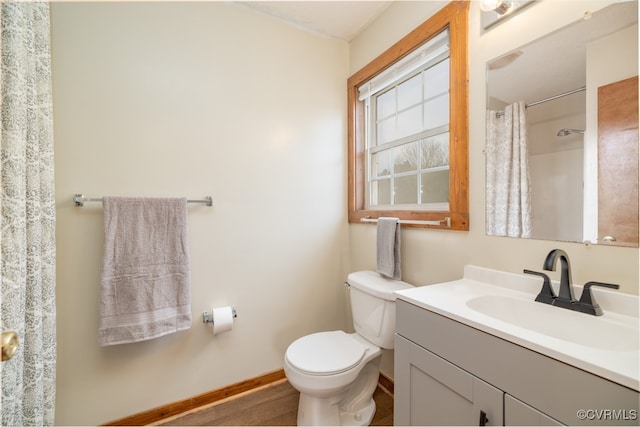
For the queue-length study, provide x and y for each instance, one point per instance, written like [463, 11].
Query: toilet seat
[325, 353]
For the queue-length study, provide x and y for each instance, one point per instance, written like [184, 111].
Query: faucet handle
[546, 294]
[587, 303]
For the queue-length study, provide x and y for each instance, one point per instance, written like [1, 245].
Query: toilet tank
[373, 306]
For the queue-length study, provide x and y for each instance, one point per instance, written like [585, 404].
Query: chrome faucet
[565, 293]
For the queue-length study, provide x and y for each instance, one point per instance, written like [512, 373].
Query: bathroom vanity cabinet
[448, 373]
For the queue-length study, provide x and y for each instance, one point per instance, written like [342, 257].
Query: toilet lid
[325, 353]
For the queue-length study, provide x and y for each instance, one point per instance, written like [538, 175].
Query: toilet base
[362, 417]
[313, 411]
[353, 407]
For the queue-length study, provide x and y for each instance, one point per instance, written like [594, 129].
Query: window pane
[436, 79]
[405, 158]
[381, 192]
[410, 92]
[381, 163]
[386, 104]
[435, 151]
[409, 122]
[386, 130]
[436, 112]
[435, 187]
[406, 189]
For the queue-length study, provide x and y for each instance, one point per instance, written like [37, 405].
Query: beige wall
[435, 256]
[195, 99]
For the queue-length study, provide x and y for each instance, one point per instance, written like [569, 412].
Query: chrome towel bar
[79, 200]
[446, 221]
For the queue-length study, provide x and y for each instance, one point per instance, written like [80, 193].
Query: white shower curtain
[508, 204]
[27, 220]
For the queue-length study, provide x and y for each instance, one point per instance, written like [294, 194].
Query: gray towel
[145, 291]
[388, 248]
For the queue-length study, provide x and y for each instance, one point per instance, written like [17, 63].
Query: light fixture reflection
[500, 6]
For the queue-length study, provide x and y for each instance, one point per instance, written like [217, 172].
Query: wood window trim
[455, 17]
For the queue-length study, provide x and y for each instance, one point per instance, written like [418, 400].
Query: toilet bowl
[323, 375]
[337, 373]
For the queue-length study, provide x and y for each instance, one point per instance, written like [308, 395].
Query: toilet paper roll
[222, 319]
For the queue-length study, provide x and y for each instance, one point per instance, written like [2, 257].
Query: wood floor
[272, 405]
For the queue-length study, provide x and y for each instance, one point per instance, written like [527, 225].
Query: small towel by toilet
[145, 290]
[388, 247]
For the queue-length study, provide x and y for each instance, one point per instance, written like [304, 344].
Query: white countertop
[608, 349]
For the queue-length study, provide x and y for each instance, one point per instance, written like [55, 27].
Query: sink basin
[599, 332]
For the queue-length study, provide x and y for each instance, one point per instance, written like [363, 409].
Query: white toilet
[336, 373]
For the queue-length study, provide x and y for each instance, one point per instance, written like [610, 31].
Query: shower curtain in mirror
[27, 217]
[508, 204]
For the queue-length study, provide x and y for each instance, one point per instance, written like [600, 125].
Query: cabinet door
[517, 413]
[431, 391]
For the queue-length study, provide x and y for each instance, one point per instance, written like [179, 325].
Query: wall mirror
[569, 100]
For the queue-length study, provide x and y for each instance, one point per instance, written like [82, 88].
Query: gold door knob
[9, 345]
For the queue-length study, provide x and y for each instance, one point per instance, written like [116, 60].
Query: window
[408, 127]
[406, 113]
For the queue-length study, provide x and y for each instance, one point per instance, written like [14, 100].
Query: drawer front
[551, 386]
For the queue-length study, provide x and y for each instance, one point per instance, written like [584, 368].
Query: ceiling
[338, 19]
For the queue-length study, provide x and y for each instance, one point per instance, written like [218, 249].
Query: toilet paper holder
[208, 317]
